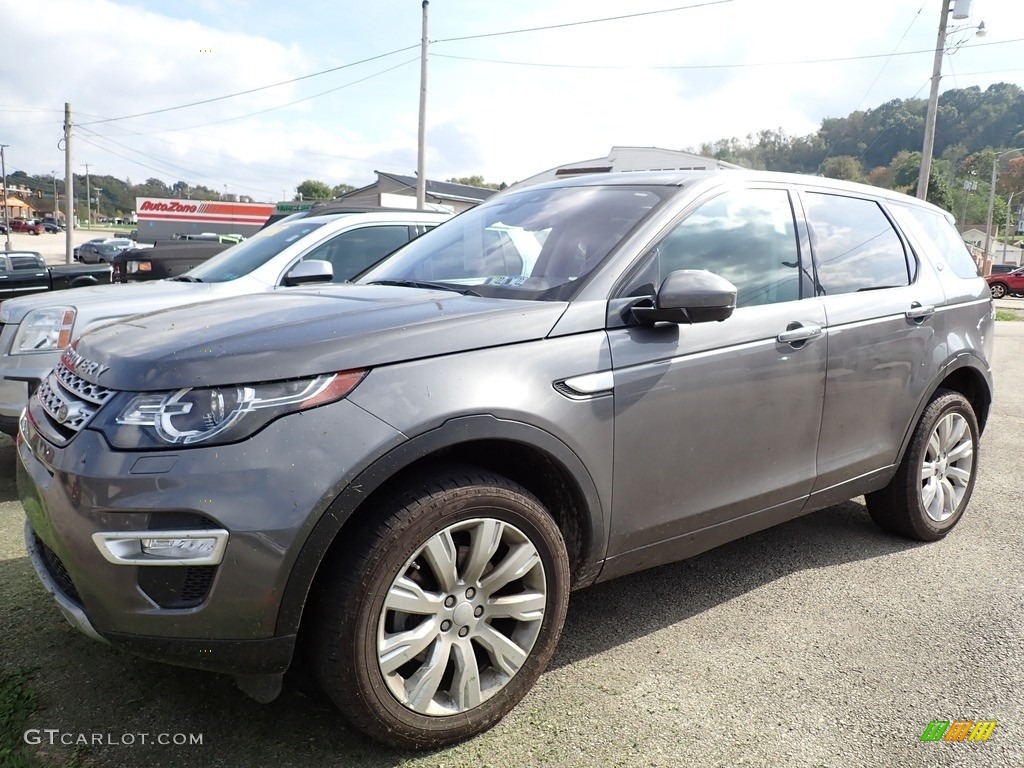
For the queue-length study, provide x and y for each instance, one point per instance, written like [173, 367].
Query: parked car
[36, 330]
[23, 273]
[101, 253]
[120, 242]
[30, 226]
[52, 225]
[405, 477]
[3, 228]
[1006, 284]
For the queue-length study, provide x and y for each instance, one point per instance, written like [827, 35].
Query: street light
[969, 186]
[1009, 216]
[992, 197]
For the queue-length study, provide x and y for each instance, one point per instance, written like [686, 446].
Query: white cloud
[506, 122]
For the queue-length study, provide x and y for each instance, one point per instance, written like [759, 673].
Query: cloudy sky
[333, 86]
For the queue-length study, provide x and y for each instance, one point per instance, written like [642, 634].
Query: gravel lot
[819, 643]
[52, 246]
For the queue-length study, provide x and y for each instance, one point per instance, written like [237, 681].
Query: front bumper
[267, 493]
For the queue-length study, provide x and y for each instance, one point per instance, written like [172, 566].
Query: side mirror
[690, 296]
[310, 271]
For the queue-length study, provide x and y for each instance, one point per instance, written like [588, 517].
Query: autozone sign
[206, 211]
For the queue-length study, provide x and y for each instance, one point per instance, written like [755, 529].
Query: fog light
[202, 547]
[179, 548]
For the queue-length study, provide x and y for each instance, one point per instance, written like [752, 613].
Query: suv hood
[122, 298]
[298, 333]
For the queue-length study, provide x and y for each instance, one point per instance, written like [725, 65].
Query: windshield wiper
[186, 279]
[424, 284]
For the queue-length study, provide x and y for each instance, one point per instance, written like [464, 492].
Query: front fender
[452, 433]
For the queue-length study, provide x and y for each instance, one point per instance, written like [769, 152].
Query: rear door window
[855, 246]
[26, 262]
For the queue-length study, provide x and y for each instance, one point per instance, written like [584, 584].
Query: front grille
[58, 572]
[69, 402]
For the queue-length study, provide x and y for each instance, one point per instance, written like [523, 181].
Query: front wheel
[934, 482]
[440, 617]
[998, 290]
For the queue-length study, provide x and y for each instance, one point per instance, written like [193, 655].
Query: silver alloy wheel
[946, 467]
[461, 617]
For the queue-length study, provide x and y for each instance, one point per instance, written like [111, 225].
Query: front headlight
[217, 415]
[139, 266]
[44, 330]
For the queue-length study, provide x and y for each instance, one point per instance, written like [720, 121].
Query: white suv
[35, 330]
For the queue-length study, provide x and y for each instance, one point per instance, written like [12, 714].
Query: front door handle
[799, 333]
[917, 312]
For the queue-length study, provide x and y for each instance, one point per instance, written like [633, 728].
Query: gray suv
[400, 481]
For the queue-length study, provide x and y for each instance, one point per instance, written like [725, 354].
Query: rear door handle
[917, 312]
[800, 333]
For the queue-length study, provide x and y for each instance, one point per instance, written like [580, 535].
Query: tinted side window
[940, 232]
[26, 262]
[855, 246]
[746, 236]
[356, 250]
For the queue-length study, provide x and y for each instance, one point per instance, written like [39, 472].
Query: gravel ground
[819, 643]
[52, 246]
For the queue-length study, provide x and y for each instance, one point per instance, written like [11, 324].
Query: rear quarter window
[937, 231]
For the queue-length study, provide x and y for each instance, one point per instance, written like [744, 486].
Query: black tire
[479, 660]
[933, 485]
[998, 290]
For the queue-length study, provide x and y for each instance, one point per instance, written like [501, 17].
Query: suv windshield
[534, 244]
[241, 259]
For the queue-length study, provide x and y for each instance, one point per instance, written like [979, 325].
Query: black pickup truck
[26, 272]
[165, 259]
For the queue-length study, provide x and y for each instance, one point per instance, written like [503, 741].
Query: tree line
[882, 147]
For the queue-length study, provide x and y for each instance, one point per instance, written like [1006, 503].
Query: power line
[250, 90]
[400, 50]
[289, 104]
[580, 23]
[713, 66]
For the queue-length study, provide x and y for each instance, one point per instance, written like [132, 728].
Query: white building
[1000, 252]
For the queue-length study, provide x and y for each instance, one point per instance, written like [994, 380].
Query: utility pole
[69, 190]
[933, 106]
[88, 197]
[421, 177]
[7, 210]
[961, 10]
[56, 208]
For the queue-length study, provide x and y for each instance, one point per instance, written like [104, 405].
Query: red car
[27, 225]
[1006, 284]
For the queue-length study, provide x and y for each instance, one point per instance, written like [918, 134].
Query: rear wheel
[441, 617]
[933, 485]
[998, 290]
